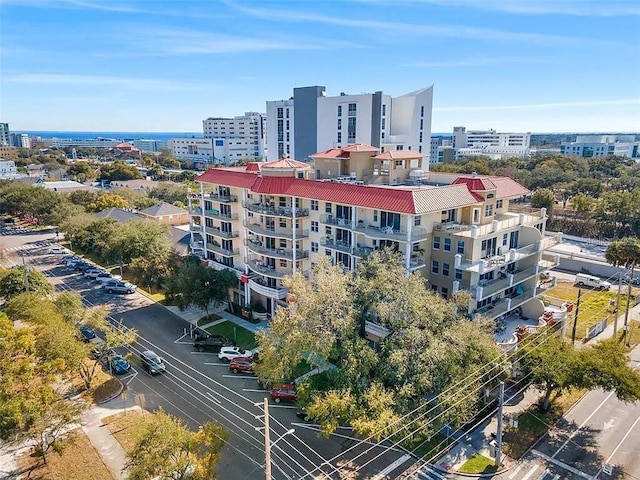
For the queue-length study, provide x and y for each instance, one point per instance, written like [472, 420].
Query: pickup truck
[212, 342]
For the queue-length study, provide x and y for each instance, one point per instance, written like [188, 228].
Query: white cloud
[94, 80]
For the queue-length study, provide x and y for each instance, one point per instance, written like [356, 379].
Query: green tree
[582, 203]
[12, 282]
[166, 449]
[625, 253]
[107, 200]
[139, 238]
[169, 192]
[543, 198]
[119, 171]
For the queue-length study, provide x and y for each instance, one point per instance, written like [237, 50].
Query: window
[445, 269]
[498, 204]
[283, 243]
[327, 231]
[327, 252]
[447, 244]
[436, 243]
[384, 110]
[458, 274]
[434, 288]
[314, 226]
[383, 123]
[420, 139]
[280, 112]
[339, 137]
[505, 239]
[435, 267]
[476, 215]
[422, 111]
[417, 221]
[421, 124]
[314, 205]
[339, 124]
[488, 210]
[375, 215]
[314, 246]
[283, 223]
[460, 247]
[352, 109]
[287, 113]
[327, 207]
[339, 110]
[444, 291]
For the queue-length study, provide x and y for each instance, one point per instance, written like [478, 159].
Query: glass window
[352, 109]
[375, 215]
[314, 226]
[327, 230]
[447, 244]
[458, 274]
[339, 110]
[505, 239]
[444, 291]
[435, 267]
[445, 269]
[327, 207]
[460, 247]
[384, 110]
[314, 246]
[434, 288]
[436, 243]
[498, 204]
[422, 111]
[339, 124]
[314, 205]
[488, 210]
[417, 221]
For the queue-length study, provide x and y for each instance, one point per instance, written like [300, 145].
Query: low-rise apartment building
[588, 146]
[269, 220]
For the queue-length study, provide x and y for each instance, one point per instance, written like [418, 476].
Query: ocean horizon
[124, 136]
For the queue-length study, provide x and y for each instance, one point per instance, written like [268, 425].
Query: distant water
[116, 135]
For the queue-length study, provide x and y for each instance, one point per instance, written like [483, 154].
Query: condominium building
[237, 138]
[5, 139]
[310, 121]
[20, 140]
[588, 146]
[437, 145]
[269, 220]
[490, 143]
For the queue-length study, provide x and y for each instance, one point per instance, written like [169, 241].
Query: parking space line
[239, 376]
[208, 394]
[217, 364]
[275, 405]
[196, 353]
[177, 340]
[530, 473]
[515, 472]
[254, 390]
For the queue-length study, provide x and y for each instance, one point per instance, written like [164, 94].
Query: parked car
[286, 392]
[121, 287]
[106, 276]
[241, 364]
[151, 362]
[86, 333]
[229, 353]
[69, 258]
[212, 343]
[93, 273]
[58, 250]
[118, 365]
[82, 266]
[585, 280]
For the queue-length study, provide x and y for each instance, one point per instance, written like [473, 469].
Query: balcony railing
[506, 304]
[221, 198]
[329, 219]
[221, 266]
[390, 233]
[197, 245]
[550, 240]
[223, 251]
[221, 216]
[216, 231]
[257, 285]
[260, 267]
[276, 211]
[337, 245]
[273, 231]
[257, 247]
[195, 228]
[195, 211]
[501, 222]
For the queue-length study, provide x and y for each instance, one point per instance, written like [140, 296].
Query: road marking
[515, 472]
[430, 471]
[556, 476]
[561, 464]
[130, 378]
[239, 376]
[217, 364]
[544, 474]
[282, 406]
[383, 473]
[619, 443]
[582, 425]
[608, 424]
[195, 353]
[254, 390]
[180, 338]
[210, 395]
[530, 473]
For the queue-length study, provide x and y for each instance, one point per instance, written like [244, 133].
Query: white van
[584, 280]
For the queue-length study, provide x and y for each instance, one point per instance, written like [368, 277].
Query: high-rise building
[5, 139]
[490, 143]
[20, 140]
[237, 138]
[310, 121]
[268, 220]
[588, 146]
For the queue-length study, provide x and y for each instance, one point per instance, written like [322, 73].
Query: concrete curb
[115, 395]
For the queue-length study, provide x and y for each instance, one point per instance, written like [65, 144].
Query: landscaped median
[243, 337]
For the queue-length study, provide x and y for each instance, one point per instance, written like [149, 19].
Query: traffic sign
[607, 468]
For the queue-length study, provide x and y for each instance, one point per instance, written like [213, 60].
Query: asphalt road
[197, 387]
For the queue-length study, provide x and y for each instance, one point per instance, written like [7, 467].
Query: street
[197, 387]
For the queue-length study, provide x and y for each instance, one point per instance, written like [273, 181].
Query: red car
[286, 392]
[241, 364]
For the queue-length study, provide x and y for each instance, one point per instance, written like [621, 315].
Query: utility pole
[267, 441]
[626, 311]
[26, 275]
[499, 433]
[615, 321]
[575, 318]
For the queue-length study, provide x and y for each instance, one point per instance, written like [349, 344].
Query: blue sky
[160, 65]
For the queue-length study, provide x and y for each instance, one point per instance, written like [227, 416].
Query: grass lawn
[634, 333]
[594, 305]
[208, 319]
[243, 337]
[78, 461]
[478, 464]
[427, 447]
[126, 427]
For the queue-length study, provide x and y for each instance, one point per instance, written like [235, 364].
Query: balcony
[257, 247]
[216, 265]
[329, 219]
[506, 304]
[376, 330]
[274, 232]
[548, 262]
[195, 211]
[223, 251]
[276, 211]
[337, 245]
[197, 245]
[500, 223]
[217, 232]
[221, 198]
[258, 286]
[220, 216]
[550, 241]
[389, 233]
[261, 268]
[195, 228]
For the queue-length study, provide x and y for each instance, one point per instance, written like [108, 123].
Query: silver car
[119, 287]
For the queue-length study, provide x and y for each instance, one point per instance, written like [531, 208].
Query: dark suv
[212, 343]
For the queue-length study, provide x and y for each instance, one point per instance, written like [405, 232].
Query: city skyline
[166, 66]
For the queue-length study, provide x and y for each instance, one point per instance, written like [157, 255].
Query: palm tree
[625, 253]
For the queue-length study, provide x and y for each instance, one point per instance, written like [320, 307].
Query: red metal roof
[331, 153]
[232, 178]
[476, 184]
[253, 167]
[508, 187]
[360, 147]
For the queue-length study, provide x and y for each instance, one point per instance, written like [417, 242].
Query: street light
[288, 432]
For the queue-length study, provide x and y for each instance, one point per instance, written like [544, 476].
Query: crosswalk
[15, 231]
[39, 244]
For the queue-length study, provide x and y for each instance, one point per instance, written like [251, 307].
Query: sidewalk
[193, 315]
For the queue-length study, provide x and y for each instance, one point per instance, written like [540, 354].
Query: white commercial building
[98, 142]
[197, 150]
[310, 121]
[588, 146]
[8, 170]
[237, 138]
[149, 145]
[490, 143]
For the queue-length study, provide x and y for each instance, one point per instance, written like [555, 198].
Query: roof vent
[474, 174]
